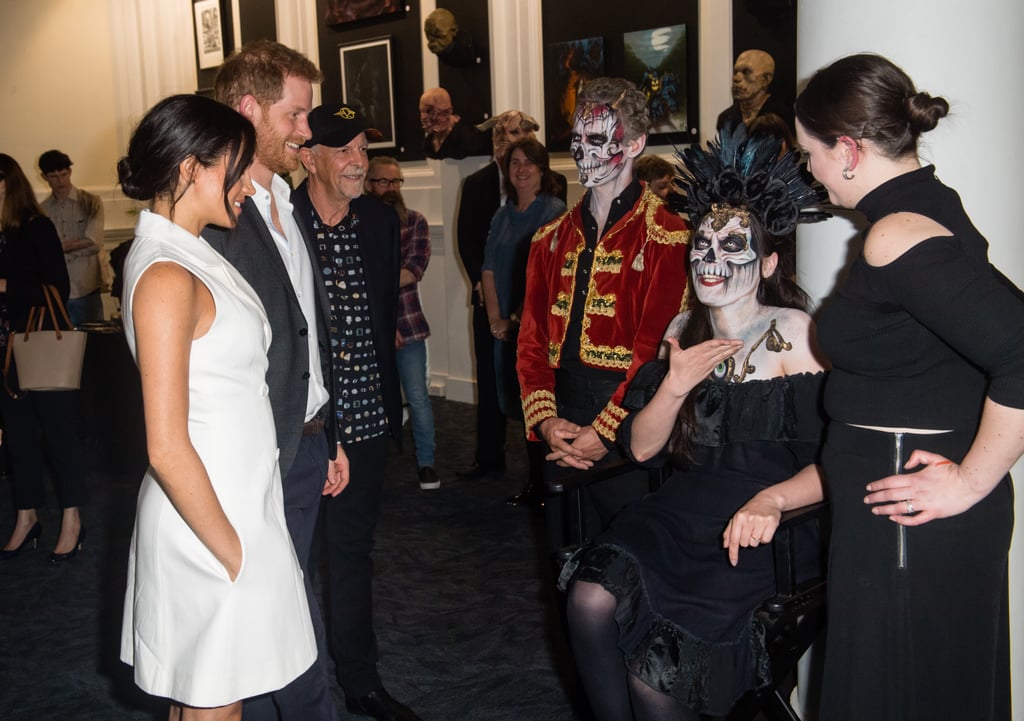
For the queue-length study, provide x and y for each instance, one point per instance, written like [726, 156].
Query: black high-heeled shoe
[61, 557]
[31, 537]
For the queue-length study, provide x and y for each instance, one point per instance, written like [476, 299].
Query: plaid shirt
[412, 326]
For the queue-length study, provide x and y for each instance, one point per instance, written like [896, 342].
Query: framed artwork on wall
[339, 12]
[210, 33]
[654, 45]
[655, 60]
[570, 65]
[366, 81]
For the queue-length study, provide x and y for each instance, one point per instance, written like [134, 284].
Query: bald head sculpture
[751, 75]
[437, 115]
[440, 28]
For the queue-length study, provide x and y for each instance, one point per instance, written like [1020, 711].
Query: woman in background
[926, 409]
[532, 190]
[215, 609]
[30, 257]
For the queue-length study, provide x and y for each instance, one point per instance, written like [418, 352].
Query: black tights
[614, 693]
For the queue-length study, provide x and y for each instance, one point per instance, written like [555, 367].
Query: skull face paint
[724, 262]
[596, 144]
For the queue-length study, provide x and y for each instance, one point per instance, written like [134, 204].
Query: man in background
[78, 216]
[384, 180]
[481, 196]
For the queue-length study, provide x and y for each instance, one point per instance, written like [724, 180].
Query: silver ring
[754, 540]
[910, 506]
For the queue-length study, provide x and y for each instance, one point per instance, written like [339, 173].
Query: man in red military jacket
[603, 282]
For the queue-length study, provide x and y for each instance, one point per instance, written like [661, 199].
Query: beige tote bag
[46, 360]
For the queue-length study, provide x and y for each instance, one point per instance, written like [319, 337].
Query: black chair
[793, 617]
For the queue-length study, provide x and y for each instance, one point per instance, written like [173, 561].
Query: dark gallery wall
[769, 25]
[588, 38]
[582, 38]
[469, 85]
[405, 33]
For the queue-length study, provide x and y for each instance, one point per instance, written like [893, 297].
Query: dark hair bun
[924, 112]
[125, 175]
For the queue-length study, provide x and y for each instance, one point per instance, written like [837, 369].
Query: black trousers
[490, 422]
[580, 395]
[39, 431]
[350, 520]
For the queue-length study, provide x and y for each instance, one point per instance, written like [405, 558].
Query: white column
[296, 28]
[969, 54]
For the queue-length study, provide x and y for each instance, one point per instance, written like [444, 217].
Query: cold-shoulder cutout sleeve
[958, 296]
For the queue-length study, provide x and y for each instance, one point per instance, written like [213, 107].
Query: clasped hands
[572, 446]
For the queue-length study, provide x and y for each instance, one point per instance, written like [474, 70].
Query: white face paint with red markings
[597, 144]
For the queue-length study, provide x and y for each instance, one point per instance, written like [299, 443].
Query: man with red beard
[602, 284]
[357, 252]
[272, 86]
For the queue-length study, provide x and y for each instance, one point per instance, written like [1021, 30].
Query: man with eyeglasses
[446, 134]
[384, 180]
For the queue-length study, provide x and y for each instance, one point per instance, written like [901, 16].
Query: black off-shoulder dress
[685, 616]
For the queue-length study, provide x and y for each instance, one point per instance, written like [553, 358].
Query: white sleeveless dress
[191, 634]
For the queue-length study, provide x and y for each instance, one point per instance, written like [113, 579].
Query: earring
[847, 175]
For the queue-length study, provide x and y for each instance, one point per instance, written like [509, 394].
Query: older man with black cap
[356, 241]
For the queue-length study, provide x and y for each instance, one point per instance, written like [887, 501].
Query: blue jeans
[412, 370]
[86, 309]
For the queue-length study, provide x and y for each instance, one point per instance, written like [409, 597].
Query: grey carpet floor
[465, 611]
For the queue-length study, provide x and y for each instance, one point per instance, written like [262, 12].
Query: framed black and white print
[366, 82]
[209, 33]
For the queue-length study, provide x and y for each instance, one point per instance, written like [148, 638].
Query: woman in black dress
[661, 604]
[926, 410]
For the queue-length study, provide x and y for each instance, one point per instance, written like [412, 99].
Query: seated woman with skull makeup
[661, 604]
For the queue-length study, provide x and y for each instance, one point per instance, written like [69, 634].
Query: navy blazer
[32, 256]
[380, 245]
[251, 249]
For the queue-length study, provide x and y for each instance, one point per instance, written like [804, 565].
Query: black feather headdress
[746, 171]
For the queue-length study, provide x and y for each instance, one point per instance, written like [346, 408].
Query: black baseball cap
[53, 160]
[335, 124]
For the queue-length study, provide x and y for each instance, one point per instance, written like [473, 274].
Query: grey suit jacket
[251, 249]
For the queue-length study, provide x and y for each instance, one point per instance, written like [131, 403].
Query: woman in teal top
[532, 191]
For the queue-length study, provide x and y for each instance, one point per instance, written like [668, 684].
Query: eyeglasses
[385, 182]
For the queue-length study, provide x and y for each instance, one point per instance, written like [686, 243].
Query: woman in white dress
[215, 610]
